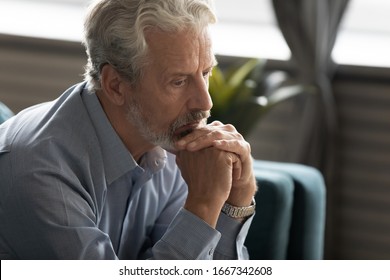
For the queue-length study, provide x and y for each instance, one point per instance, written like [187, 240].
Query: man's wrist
[239, 212]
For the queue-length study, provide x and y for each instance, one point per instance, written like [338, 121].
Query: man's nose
[200, 99]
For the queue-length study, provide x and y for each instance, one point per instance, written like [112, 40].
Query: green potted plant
[242, 95]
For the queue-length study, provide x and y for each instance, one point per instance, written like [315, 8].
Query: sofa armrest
[307, 216]
[268, 236]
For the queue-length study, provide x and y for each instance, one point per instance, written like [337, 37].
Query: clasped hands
[216, 163]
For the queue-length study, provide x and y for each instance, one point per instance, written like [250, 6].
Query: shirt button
[211, 252]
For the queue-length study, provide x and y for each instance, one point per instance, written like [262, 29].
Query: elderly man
[123, 165]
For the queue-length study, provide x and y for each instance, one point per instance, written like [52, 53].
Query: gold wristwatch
[239, 212]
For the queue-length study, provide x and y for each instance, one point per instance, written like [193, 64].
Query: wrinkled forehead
[182, 48]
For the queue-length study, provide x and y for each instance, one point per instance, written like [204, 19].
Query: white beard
[149, 130]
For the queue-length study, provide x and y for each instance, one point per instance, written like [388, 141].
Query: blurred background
[336, 51]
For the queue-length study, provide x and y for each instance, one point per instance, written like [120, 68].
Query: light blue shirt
[69, 189]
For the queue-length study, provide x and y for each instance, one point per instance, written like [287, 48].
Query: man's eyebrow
[214, 62]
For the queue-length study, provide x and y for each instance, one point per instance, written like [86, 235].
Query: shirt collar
[117, 159]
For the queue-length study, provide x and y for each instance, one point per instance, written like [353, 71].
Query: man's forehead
[179, 49]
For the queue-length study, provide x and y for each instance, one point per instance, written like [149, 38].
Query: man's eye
[207, 74]
[179, 83]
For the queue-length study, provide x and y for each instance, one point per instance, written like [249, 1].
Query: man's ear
[113, 85]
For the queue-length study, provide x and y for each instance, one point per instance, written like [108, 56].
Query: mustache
[191, 117]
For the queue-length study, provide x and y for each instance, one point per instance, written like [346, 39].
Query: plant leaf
[286, 92]
[238, 77]
[236, 80]
[217, 85]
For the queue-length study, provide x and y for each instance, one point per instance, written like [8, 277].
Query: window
[245, 28]
[53, 19]
[248, 28]
[364, 37]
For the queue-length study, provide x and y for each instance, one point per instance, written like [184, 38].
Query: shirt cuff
[187, 237]
[234, 232]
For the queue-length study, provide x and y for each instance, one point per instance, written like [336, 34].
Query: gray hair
[114, 31]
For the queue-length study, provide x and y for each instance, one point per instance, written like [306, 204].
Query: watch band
[239, 212]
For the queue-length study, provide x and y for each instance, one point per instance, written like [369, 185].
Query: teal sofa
[290, 216]
[5, 113]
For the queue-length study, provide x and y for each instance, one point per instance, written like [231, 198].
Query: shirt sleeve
[50, 214]
[233, 234]
[45, 225]
[188, 238]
